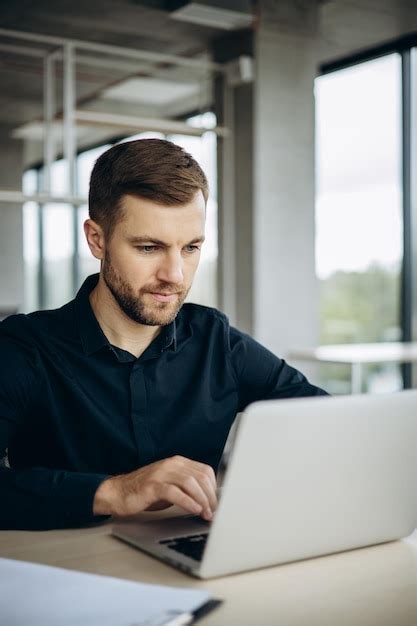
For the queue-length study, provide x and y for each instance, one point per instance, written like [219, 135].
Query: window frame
[408, 298]
[75, 259]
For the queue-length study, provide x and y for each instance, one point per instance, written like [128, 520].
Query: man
[121, 400]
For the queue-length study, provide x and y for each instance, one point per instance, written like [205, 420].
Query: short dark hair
[148, 168]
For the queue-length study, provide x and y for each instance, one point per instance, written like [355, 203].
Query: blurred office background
[303, 115]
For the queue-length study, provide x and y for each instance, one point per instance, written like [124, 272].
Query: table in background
[374, 586]
[358, 354]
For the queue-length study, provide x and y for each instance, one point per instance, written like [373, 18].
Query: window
[30, 243]
[359, 237]
[57, 257]
[204, 150]
[87, 263]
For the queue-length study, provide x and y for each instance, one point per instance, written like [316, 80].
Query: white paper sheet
[39, 595]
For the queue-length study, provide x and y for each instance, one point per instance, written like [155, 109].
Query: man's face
[151, 259]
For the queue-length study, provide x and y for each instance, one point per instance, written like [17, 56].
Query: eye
[191, 248]
[147, 249]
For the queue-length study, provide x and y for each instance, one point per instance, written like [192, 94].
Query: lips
[164, 297]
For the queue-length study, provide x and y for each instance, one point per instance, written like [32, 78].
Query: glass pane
[87, 263]
[31, 255]
[359, 212]
[150, 134]
[85, 164]
[59, 178]
[204, 150]
[30, 182]
[30, 243]
[58, 251]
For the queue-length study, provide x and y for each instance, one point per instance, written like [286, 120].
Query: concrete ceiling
[144, 25]
[141, 24]
[350, 26]
[126, 23]
[345, 27]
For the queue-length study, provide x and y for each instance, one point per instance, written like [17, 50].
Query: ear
[95, 238]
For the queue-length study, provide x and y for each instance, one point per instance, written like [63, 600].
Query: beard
[140, 307]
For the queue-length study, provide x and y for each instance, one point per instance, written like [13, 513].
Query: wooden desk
[358, 354]
[373, 586]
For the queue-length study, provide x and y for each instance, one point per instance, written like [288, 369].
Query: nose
[171, 270]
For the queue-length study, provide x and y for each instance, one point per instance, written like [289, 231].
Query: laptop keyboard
[190, 545]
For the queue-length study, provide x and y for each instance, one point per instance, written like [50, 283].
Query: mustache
[162, 290]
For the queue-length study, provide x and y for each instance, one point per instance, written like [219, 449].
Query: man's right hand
[176, 480]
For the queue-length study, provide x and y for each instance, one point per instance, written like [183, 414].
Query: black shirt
[74, 409]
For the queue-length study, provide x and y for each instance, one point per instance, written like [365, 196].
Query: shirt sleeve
[261, 375]
[36, 497]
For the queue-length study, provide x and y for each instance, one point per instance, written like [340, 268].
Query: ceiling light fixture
[222, 14]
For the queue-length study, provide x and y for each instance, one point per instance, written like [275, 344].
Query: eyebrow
[147, 239]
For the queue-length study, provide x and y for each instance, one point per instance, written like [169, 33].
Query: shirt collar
[91, 334]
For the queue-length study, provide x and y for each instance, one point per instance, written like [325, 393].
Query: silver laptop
[306, 477]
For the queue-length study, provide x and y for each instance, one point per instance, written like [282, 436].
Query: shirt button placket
[140, 421]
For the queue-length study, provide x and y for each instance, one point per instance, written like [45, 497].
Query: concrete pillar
[234, 109]
[285, 287]
[267, 197]
[11, 224]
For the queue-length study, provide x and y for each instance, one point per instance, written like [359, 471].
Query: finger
[175, 495]
[208, 471]
[207, 486]
[184, 462]
[207, 479]
[182, 467]
[159, 505]
[190, 485]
